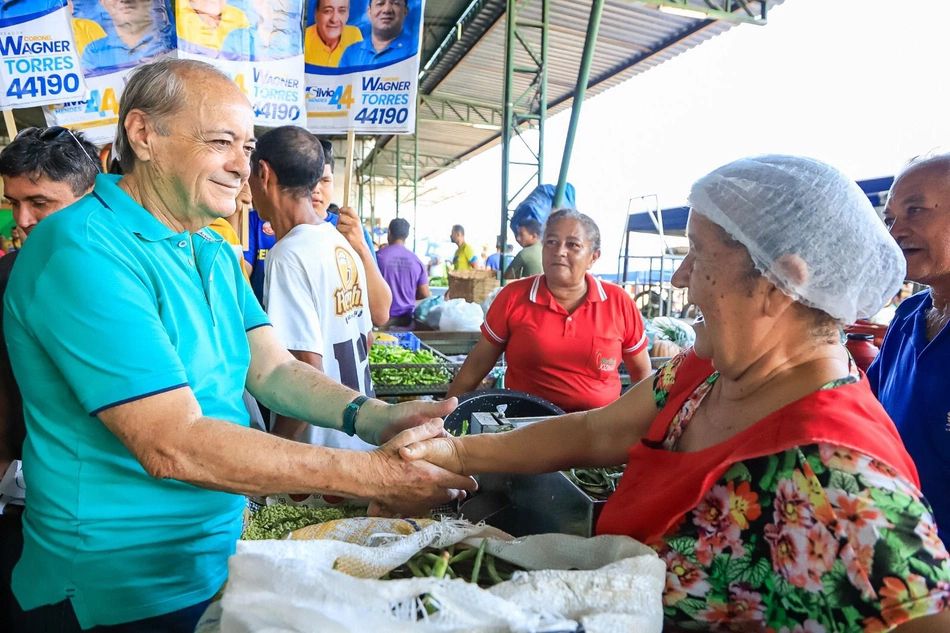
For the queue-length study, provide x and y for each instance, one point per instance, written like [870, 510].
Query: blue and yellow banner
[258, 43]
[362, 62]
[39, 63]
[329, 65]
[112, 37]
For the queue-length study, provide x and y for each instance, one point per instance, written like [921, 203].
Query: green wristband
[350, 413]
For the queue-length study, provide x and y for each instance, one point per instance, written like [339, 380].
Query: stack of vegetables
[393, 365]
[277, 521]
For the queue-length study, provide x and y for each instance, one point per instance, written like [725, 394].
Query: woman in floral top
[759, 465]
[818, 538]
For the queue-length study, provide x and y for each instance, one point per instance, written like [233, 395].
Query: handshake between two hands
[419, 467]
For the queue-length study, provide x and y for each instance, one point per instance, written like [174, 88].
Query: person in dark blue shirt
[911, 375]
[389, 42]
[260, 239]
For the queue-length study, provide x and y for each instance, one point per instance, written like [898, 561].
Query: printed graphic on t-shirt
[349, 295]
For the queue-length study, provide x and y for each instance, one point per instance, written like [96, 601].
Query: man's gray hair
[158, 89]
[591, 230]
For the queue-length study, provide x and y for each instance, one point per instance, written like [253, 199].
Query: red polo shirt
[569, 359]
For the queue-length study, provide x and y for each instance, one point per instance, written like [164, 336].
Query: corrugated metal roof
[632, 39]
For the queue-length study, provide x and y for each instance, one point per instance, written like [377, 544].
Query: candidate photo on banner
[240, 30]
[114, 35]
[346, 36]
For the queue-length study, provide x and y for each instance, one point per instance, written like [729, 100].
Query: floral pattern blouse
[816, 539]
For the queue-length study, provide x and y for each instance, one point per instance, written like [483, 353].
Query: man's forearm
[292, 428]
[296, 390]
[224, 456]
[380, 295]
[288, 428]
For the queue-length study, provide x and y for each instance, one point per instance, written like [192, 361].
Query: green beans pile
[406, 376]
[472, 564]
[599, 483]
[277, 521]
[461, 432]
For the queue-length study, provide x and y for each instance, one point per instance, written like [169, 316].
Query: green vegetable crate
[398, 371]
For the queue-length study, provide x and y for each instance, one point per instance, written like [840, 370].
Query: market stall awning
[673, 220]
[463, 75]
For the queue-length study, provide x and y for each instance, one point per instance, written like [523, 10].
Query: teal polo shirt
[106, 306]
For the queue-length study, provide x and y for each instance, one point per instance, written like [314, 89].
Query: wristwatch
[350, 413]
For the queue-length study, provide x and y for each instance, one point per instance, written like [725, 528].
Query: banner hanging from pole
[112, 38]
[362, 64]
[39, 63]
[259, 44]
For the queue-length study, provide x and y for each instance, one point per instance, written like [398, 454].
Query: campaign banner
[39, 63]
[362, 65]
[258, 43]
[112, 38]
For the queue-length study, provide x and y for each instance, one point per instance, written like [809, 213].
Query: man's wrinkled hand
[352, 229]
[411, 488]
[384, 422]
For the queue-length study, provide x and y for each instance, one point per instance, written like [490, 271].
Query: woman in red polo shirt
[564, 333]
[760, 466]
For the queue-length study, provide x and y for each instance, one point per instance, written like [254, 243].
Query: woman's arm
[597, 438]
[638, 365]
[926, 624]
[476, 366]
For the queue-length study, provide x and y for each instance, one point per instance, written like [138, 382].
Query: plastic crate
[407, 340]
[443, 364]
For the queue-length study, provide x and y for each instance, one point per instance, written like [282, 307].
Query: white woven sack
[616, 585]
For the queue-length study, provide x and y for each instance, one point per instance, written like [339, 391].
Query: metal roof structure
[672, 221]
[463, 68]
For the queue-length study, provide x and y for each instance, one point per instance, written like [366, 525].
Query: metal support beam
[415, 181]
[387, 158]
[446, 110]
[583, 75]
[523, 108]
[714, 10]
[463, 111]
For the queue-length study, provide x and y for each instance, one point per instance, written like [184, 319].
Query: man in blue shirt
[272, 34]
[132, 335]
[44, 170]
[134, 40]
[911, 375]
[389, 43]
[260, 238]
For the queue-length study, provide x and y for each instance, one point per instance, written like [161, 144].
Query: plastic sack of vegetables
[673, 330]
[421, 313]
[487, 302]
[459, 315]
[606, 583]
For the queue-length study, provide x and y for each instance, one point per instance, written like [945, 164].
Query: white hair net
[809, 229]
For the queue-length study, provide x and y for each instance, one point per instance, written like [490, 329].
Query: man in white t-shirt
[314, 284]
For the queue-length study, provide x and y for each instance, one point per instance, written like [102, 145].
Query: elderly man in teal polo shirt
[132, 335]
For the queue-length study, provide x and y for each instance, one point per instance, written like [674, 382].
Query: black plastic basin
[520, 405]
